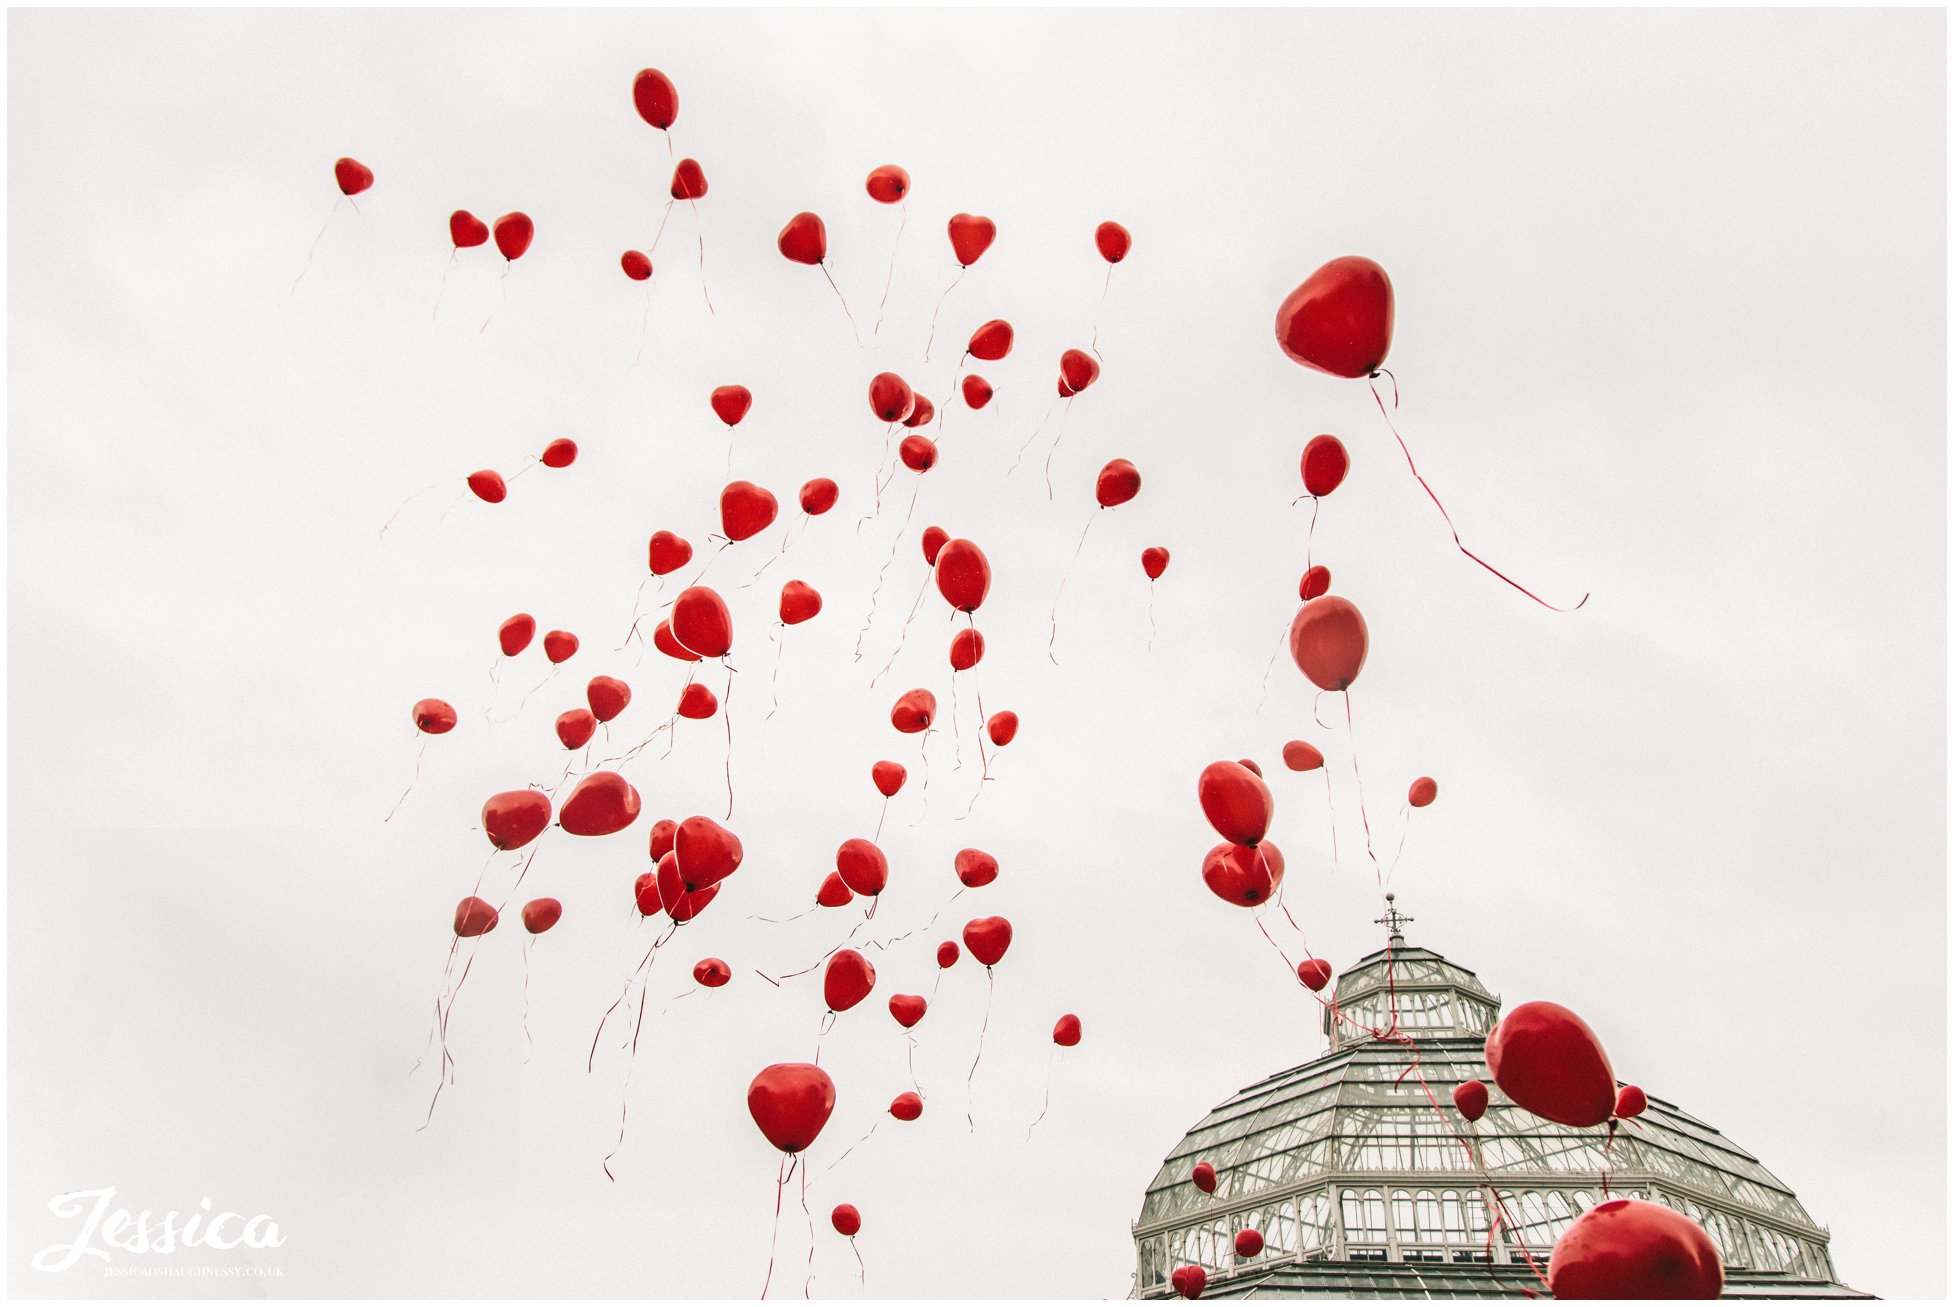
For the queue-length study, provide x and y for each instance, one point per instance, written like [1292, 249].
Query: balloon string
[699, 227]
[779, 1190]
[624, 1092]
[1357, 771]
[924, 748]
[661, 224]
[432, 485]
[778, 649]
[1404, 815]
[984, 774]
[786, 543]
[862, 1271]
[914, 1083]
[548, 677]
[956, 726]
[444, 1074]
[1433, 495]
[1100, 312]
[882, 817]
[1049, 410]
[1057, 435]
[931, 343]
[419, 754]
[447, 970]
[1309, 541]
[504, 299]
[312, 249]
[528, 1044]
[915, 607]
[1330, 799]
[726, 711]
[1049, 1062]
[637, 609]
[442, 294]
[642, 969]
[888, 443]
[1051, 643]
[852, 1147]
[903, 637]
[808, 1282]
[890, 280]
[990, 982]
[844, 302]
[1281, 641]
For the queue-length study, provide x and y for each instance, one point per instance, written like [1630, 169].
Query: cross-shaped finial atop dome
[1393, 920]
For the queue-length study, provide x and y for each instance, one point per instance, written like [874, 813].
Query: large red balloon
[848, 980]
[681, 904]
[804, 239]
[560, 646]
[474, 917]
[1236, 801]
[1471, 1098]
[862, 867]
[538, 915]
[515, 634]
[1325, 461]
[1066, 1033]
[992, 341]
[970, 236]
[1339, 321]
[987, 938]
[745, 510]
[1328, 640]
[667, 552]
[913, 712]
[466, 230]
[688, 180]
[1243, 876]
[697, 703]
[434, 716]
[798, 602]
[656, 98]
[730, 403]
[1248, 1243]
[513, 232]
[607, 696]
[488, 486]
[701, 622]
[1002, 727]
[888, 184]
[514, 817]
[918, 453]
[889, 397]
[1077, 369]
[975, 868]
[1118, 482]
[818, 496]
[574, 728]
[791, 1102]
[963, 575]
[966, 649]
[1630, 1249]
[1203, 1177]
[908, 1009]
[602, 804]
[1153, 561]
[1548, 1061]
[1113, 241]
[707, 852]
[352, 176]
[1189, 1281]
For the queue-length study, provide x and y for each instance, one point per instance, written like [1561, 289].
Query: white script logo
[120, 1229]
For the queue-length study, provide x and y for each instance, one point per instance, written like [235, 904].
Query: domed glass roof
[1363, 1180]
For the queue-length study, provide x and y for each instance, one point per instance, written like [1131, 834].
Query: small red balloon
[474, 917]
[730, 403]
[975, 868]
[1315, 583]
[1077, 369]
[1423, 791]
[667, 643]
[798, 602]
[712, 972]
[888, 777]
[667, 552]
[1300, 756]
[913, 712]
[607, 697]
[538, 915]
[804, 239]
[947, 954]
[908, 1009]
[977, 392]
[1339, 320]
[920, 415]
[846, 1220]
[1002, 727]
[514, 817]
[1628, 1249]
[702, 623]
[515, 634]
[1154, 561]
[352, 176]
[513, 232]
[697, 703]
[645, 893]
[1236, 801]
[791, 1102]
[991, 342]
[1630, 1103]
[818, 496]
[488, 485]
[888, 184]
[889, 397]
[688, 180]
[834, 892]
[1314, 973]
[664, 836]
[1113, 241]
[966, 649]
[466, 231]
[1471, 1098]
[970, 236]
[987, 938]
[1325, 462]
[1118, 482]
[560, 646]
[655, 98]
[934, 538]
[1248, 1243]
[576, 727]
[918, 453]
[636, 265]
[434, 717]
[602, 804]
[1203, 1176]
[1066, 1033]
[906, 1106]
[862, 867]
[559, 453]
[745, 510]
[1328, 641]
[847, 981]
[681, 904]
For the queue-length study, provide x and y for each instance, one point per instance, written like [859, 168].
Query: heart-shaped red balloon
[650, 903]
[707, 852]
[688, 180]
[970, 236]
[1243, 876]
[1066, 1033]
[987, 938]
[607, 697]
[1630, 1250]
[798, 602]
[1314, 973]
[791, 1102]
[559, 646]
[908, 1009]
[906, 1106]
[697, 703]
[466, 230]
[538, 915]
[745, 510]
[1077, 369]
[514, 817]
[947, 954]
[1002, 727]
[701, 620]
[559, 453]
[731, 403]
[434, 717]
[966, 649]
[862, 866]
[1189, 1281]
[515, 634]
[352, 176]
[804, 239]
[1113, 241]
[977, 392]
[888, 777]
[889, 397]
[834, 892]
[668, 552]
[513, 233]
[818, 496]
[1325, 464]
[681, 904]
[975, 868]
[664, 837]
[655, 98]
[1236, 801]
[1548, 1061]
[488, 485]
[1328, 641]
[963, 575]
[602, 804]
[918, 453]
[576, 727]
[913, 712]
[667, 643]
[847, 981]
[1315, 583]
[712, 972]
[1118, 482]
[888, 184]
[474, 917]
[1471, 1098]
[921, 413]
[1153, 561]
[934, 538]
[992, 341]
[636, 265]
[1339, 321]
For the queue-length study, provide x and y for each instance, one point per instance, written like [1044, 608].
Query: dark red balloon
[688, 180]
[730, 403]
[970, 236]
[712, 972]
[846, 1220]
[466, 230]
[1248, 1243]
[1328, 640]
[1118, 482]
[791, 1102]
[1203, 1176]
[538, 915]
[655, 98]
[515, 634]
[1002, 727]
[977, 392]
[1548, 1061]
[818, 496]
[559, 453]
[645, 891]
[434, 717]
[798, 602]
[990, 342]
[906, 1106]
[888, 184]
[862, 867]
[804, 239]
[847, 981]
[667, 552]
[607, 697]
[1153, 561]
[696, 703]
[1236, 802]
[560, 646]
[920, 415]
[888, 777]
[513, 232]
[1339, 320]
[1066, 1033]
[636, 265]
[1314, 973]
[1471, 1098]
[913, 712]
[987, 938]
[966, 649]
[1325, 462]
[1246, 877]
[889, 397]
[1315, 583]
[947, 954]
[1113, 241]
[664, 837]
[576, 727]
[834, 892]
[706, 852]
[963, 575]
[1189, 1281]
[602, 804]
[474, 917]
[975, 868]
[1628, 1249]
[908, 1009]
[352, 176]
[514, 817]
[488, 485]
[934, 538]
[702, 623]
[1630, 1103]
[1423, 791]
[681, 904]
[745, 510]
[1077, 369]
[918, 453]
[667, 644]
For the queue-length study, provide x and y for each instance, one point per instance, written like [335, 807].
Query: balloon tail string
[1330, 800]
[443, 292]
[1032, 438]
[1449, 525]
[1153, 628]
[1052, 453]
[444, 1071]
[808, 1283]
[699, 227]
[779, 1192]
[969, 1081]
[890, 280]
[1051, 643]
[895, 546]
[852, 1147]
[1362, 809]
[1099, 313]
[433, 485]
[1404, 831]
[779, 647]
[844, 302]
[528, 1044]
[861, 1273]
[624, 1092]
[637, 615]
[312, 249]
[931, 343]
[418, 756]
[1270, 667]
[1309, 541]
[1049, 1065]
[662, 221]
[956, 727]
[726, 711]
[500, 301]
[882, 817]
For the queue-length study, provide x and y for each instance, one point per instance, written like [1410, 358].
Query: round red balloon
[1328, 640]
[791, 1102]
[1325, 461]
[1548, 1061]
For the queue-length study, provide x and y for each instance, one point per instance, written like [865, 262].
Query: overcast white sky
[1670, 329]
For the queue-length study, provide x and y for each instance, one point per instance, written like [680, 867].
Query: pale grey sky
[1670, 329]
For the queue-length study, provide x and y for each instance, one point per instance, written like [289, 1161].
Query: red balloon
[906, 1106]
[1077, 369]
[1065, 391]
[607, 696]
[1548, 1061]
[913, 712]
[745, 510]
[688, 180]
[1113, 241]
[646, 893]
[834, 892]
[1203, 1176]
[1242, 875]
[352, 176]
[576, 727]
[847, 981]
[1471, 1098]
[798, 602]
[1118, 482]
[947, 954]
[804, 239]
[712, 972]
[560, 646]
[975, 868]
[559, 453]
[970, 236]
[1315, 583]
[538, 915]
[920, 415]
[888, 184]
[1325, 462]
[987, 938]
[1251, 764]
[847, 1221]
[966, 649]
[1002, 727]
[697, 703]
[908, 1009]
[791, 1102]
[862, 867]
[731, 403]
[636, 265]
[513, 232]
[1248, 1243]
[934, 538]
[990, 342]
[602, 804]
[466, 230]
[889, 397]
[664, 837]
[706, 852]
[515, 634]
[1066, 1033]
[488, 485]
[918, 453]
[1339, 321]
[656, 98]
[977, 392]
[1154, 561]
[701, 622]
[888, 777]
[1630, 1103]
[1423, 791]
[681, 904]
[1236, 801]
[668, 552]
[434, 717]
[514, 817]
[818, 496]
[1314, 973]
[1189, 1281]
[1328, 640]
[667, 644]
[474, 917]
[963, 575]
[1630, 1249]
[1299, 756]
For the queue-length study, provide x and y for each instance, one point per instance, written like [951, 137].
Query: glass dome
[1360, 1188]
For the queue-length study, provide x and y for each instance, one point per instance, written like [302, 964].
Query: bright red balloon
[804, 239]
[667, 552]
[963, 575]
[681, 904]
[1248, 1243]
[987, 938]
[934, 538]
[702, 623]
[645, 892]
[1325, 462]
[862, 866]
[513, 232]
[1251, 764]
[1189, 1281]
[474, 917]
[602, 804]
[798, 602]
[1628, 1249]
[1113, 241]
[977, 392]
[1314, 973]
[1339, 321]
[538, 915]
[1002, 727]
[920, 415]
[888, 777]
[847, 981]
[908, 1009]
[1630, 1103]
[576, 727]
[560, 646]
[697, 703]
[559, 453]
[1300, 756]
[607, 697]
[913, 712]
[664, 837]
[1423, 791]
[488, 485]
[1548, 1061]
[1153, 561]
[966, 649]
[712, 972]
[1328, 640]
[730, 403]
[906, 1106]
[975, 868]
[515, 634]
[791, 1102]
[1243, 876]
[1471, 1098]
[1066, 1033]
[834, 892]
[889, 397]
[707, 852]
[1203, 1176]
[1315, 583]
[846, 1220]
[947, 954]
[466, 231]
[434, 717]
[655, 98]
[888, 184]
[745, 510]
[818, 496]
[688, 180]
[636, 265]
[990, 342]
[1236, 801]
[1118, 482]
[667, 644]
[970, 236]
[918, 453]
[514, 817]
[1077, 369]
[352, 176]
